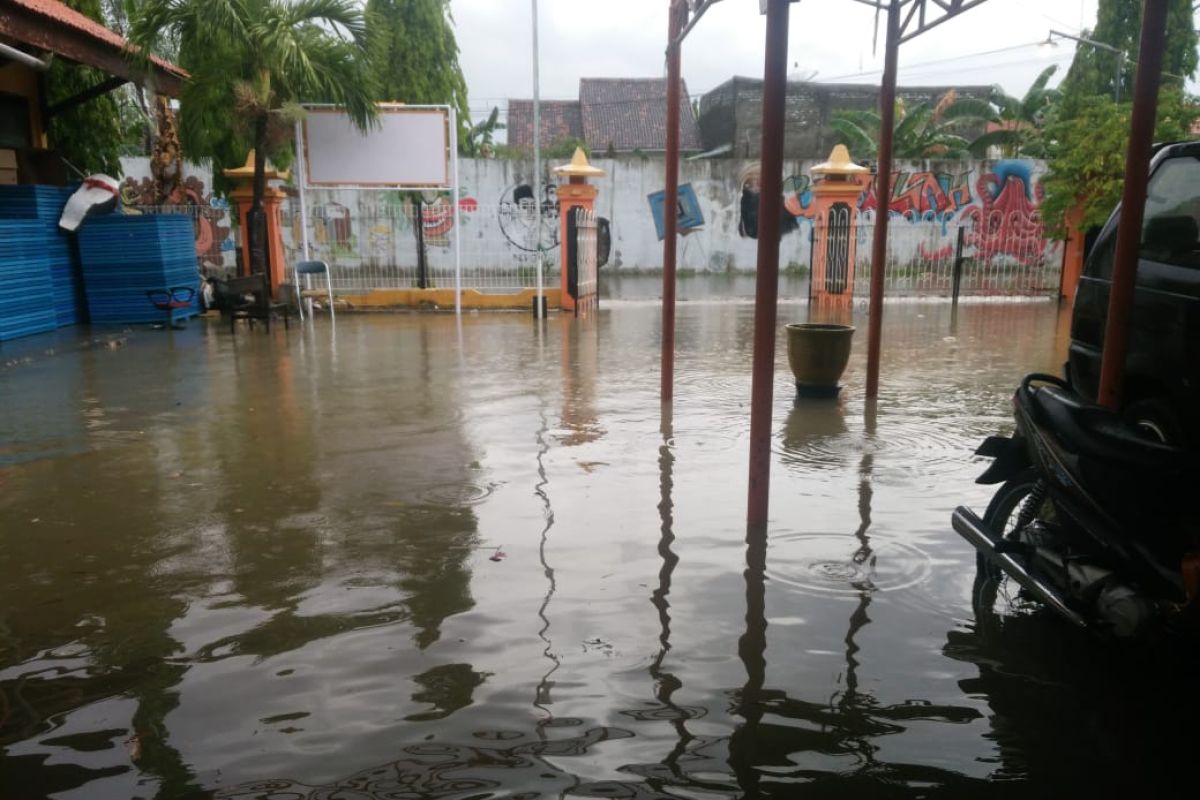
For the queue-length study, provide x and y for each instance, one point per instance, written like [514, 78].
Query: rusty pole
[1133, 200]
[671, 200]
[770, 208]
[883, 196]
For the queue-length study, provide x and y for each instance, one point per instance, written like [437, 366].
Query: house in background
[612, 115]
[31, 33]
[731, 114]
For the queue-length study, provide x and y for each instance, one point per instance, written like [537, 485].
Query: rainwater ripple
[842, 564]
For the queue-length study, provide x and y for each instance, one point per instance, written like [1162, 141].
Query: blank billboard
[409, 149]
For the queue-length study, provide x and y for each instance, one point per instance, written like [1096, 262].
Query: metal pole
[538, 312]
[1133, 200]
[301, 179]
[883, 196]
[457, 219]
[671, 202]
[770, 207]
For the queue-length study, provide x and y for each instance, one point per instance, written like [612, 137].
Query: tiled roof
[64, 15]
[631, 114]
[560, 120]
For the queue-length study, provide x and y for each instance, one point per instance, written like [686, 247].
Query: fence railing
[382, 247]
[216, 249]
[1000, 255]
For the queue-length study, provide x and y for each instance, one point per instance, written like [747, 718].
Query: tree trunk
[257, 218]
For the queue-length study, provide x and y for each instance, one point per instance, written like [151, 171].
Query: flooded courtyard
[407, 557]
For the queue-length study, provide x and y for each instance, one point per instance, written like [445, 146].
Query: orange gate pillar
[575, 193]
[243, 195]
[837, 185]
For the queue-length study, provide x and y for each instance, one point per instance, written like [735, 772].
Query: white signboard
[409, 149]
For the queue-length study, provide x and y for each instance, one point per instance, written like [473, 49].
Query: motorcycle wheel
[995, 595]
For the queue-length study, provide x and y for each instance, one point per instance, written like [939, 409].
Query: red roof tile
[64, 15]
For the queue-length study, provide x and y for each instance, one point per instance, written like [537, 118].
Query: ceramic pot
[818, 353]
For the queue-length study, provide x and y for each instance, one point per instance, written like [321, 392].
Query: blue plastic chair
[308, 269]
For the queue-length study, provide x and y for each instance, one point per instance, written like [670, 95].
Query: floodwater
[403, 558]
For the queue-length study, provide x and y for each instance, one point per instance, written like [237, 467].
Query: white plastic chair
[308, 269]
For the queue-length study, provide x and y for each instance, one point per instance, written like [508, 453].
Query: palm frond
[1000, 138]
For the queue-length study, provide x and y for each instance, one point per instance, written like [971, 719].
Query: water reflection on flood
[419, 559]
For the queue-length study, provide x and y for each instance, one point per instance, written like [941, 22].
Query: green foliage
[90, 135]
[1022, 118]
[922, 131]
[481, 137]
[1086, 149]
[414, 56]
[1087, 138]
[251, 61]
[1119, 24]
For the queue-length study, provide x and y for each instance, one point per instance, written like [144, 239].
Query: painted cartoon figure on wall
[519, 220]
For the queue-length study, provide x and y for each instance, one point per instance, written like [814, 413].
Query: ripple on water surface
[843, 564]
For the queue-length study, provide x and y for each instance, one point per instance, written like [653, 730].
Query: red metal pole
[770, 207]
[677, 15]
[883, 195]
[1133, 200]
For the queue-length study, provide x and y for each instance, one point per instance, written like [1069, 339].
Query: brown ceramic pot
[818, 353]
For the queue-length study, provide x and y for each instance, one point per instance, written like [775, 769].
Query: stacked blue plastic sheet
[45, 204]
[124, 256]
[26, 286]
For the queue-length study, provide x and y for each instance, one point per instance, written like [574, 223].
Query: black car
[1162, 369]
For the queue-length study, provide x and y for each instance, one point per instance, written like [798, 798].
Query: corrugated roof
[631, 114]
[64, 15]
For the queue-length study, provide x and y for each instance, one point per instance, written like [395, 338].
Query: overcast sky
[997, 42]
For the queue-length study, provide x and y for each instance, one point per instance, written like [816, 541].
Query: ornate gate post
[837, 185]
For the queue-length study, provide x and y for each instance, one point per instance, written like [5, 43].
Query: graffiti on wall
[1000, 205]
[210, 215]
[518, 215]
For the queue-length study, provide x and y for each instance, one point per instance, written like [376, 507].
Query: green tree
[922, 131]
[1119, 24]
[88, 136]
[481, 138]
[1086, 151]
[414, 56]
[1021, 120]
[1086, 140]
[251, 62]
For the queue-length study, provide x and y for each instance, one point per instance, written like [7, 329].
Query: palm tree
[1020, 119]
[922, 131]
[481, 137]
[273, 54]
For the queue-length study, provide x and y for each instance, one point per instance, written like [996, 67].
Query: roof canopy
[51, 26]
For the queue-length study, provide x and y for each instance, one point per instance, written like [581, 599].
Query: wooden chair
[259, 306]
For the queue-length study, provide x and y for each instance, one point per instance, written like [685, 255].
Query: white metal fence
[216, 248]
[382, 247]
[1000, 255]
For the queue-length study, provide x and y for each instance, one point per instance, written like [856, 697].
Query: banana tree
[1020, 120]
[922, 130]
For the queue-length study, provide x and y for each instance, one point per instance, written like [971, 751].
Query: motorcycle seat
[1094, 431]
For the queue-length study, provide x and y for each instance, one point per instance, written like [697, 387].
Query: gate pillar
[575, 193]
[837, 185]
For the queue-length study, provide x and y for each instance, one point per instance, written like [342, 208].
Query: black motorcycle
[1094, 519]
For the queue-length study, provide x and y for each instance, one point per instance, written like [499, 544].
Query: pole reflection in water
[665, 682]
[752, 650]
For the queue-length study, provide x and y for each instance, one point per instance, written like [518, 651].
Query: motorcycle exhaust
[971, 527]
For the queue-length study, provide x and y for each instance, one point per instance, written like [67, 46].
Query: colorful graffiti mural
[210, 215]
[1001, 205]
